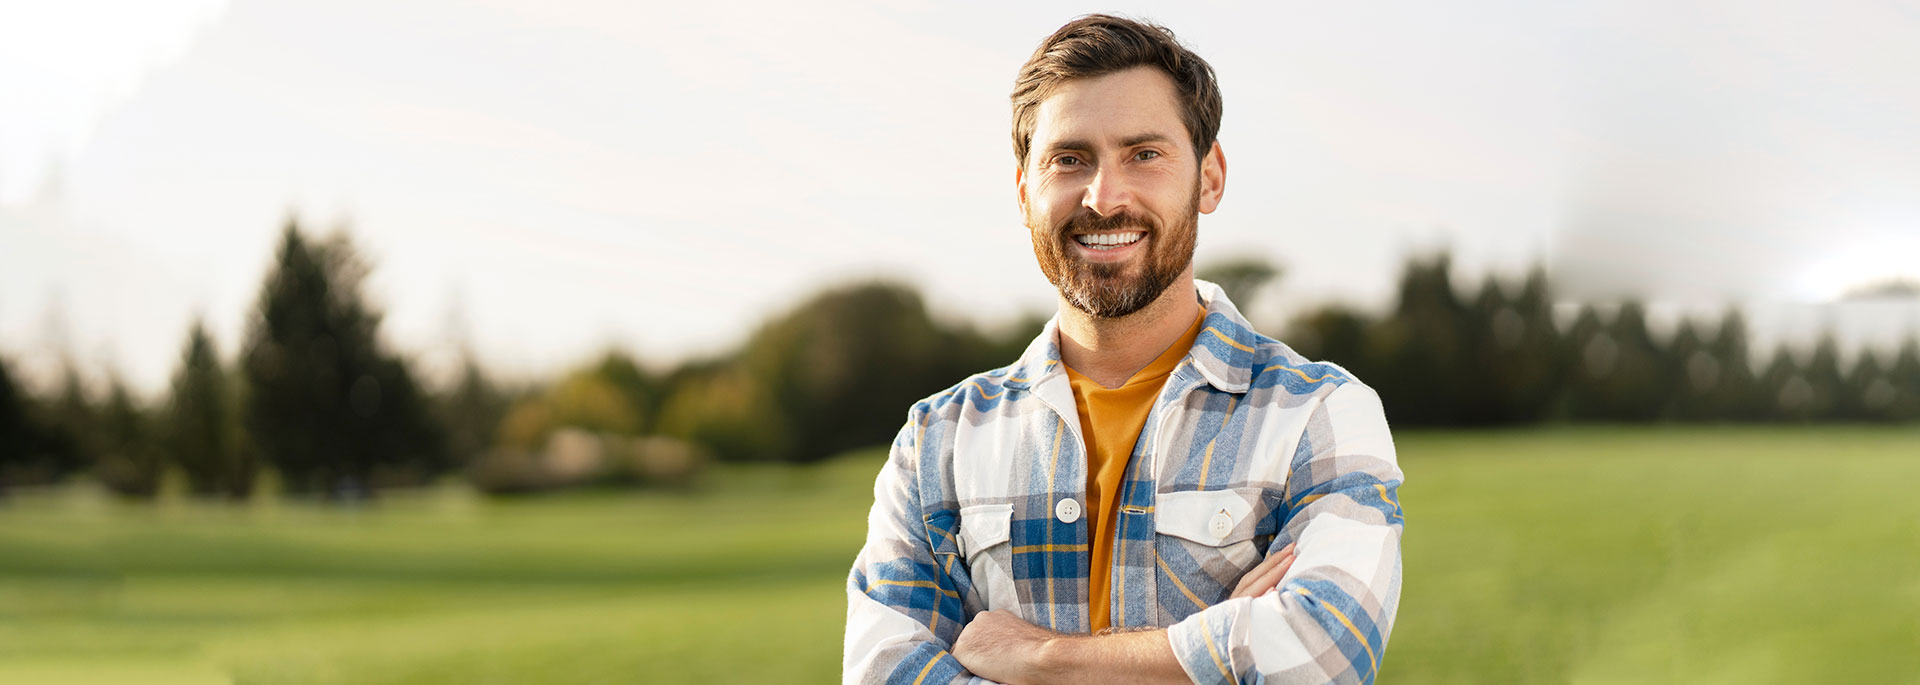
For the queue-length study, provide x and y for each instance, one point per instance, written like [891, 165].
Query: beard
[1105, 290]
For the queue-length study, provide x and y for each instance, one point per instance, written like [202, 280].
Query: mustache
[1088, 222]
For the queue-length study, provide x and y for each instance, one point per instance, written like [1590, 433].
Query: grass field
[1564, 555]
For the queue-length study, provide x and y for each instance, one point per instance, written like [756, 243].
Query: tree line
[313, 397]
[316, 405]
[1497, 355]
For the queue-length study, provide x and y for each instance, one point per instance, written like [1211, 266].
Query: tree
[1638, 389]
[1492, 331]
[1735, 394]
[1904, 377]
[842, 367]
[1534, 368]
[1869, 393]
[203, 437]
[717, 404]
[1826, 381]
[471, 412]
[327, 406]
[642, 390]
[129, 462]
[1334, 334]
[22, 439]
[1590, 355]
[406, 443]
[71, 442]
[583, 399]
[834, 373]
[1695, 372]
[1514, 353]
[1783, 389]
[1424, 347]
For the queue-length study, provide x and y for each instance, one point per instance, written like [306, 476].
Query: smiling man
[1153, 492]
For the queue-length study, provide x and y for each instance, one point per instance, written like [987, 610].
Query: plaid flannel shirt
[1248, 447]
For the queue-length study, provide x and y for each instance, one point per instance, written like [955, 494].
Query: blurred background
[559, 342]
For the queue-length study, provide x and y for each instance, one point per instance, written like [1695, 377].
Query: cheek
[1050, 194]
[1038, 219]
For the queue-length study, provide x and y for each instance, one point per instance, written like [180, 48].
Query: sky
[539, 181]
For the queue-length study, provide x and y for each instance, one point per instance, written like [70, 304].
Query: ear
[1213, 178]
[1020, 188]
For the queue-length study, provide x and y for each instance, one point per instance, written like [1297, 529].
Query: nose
[1108, 192]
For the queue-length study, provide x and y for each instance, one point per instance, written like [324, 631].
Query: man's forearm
[1141, 656]
[998, 643]
[998, 646]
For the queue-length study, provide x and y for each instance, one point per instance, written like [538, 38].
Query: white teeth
[1108, 240]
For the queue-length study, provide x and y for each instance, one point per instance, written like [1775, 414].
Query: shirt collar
[1223, 353]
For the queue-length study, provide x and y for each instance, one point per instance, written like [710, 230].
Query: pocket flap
[1210, 517]
[984, 525]
[942, 531]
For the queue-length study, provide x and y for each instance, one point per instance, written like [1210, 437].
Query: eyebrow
[1144, 138]
[1130, 141]
[1065, 145]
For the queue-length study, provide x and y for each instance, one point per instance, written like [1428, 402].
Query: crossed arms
[1318, 609]
[997, 645]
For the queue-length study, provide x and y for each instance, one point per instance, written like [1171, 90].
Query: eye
[1067, 160]
[1145, 155]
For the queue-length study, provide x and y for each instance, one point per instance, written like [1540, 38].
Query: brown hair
[1101, 44]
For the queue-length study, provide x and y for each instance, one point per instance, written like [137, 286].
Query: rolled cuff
[1203, 642]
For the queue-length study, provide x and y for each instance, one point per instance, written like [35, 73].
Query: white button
[1221, 524]
[1067, 509]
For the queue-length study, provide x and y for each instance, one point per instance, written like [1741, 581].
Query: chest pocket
[986, 532]
[982, 547]
[1205, 542]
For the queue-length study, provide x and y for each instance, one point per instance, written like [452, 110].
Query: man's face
[1112, 190]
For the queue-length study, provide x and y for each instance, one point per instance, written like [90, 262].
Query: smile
[1109, 241]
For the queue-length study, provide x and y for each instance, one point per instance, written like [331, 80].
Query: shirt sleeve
[1329, 618]
[903, 608]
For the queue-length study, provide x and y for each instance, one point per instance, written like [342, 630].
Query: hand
[998, 646]
[1266, 576]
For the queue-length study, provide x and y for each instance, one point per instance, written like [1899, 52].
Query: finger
[1271, 579]
[1254, 572]
[1266, 565]
[1268, 576]
[1280, 558]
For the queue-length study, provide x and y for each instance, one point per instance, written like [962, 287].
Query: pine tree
[1735, 395]
[471, 411]
[1424, 348]
[72, 442]
[1869, 393]
[326, 405]
[1535, 369]
[1783, 389]
[20, 437]
[1589, 355]
[203, 439]
[1694, 373]
[1905, 379]
[1826, 381]
[129, 461]
[1638, 387]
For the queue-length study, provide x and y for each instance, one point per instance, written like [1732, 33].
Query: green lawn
[1565, 555]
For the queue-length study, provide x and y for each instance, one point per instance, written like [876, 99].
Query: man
[1153, 492]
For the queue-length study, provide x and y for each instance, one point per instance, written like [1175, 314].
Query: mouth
[1109, 241]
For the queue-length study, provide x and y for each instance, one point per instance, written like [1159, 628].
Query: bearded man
[1153, 491]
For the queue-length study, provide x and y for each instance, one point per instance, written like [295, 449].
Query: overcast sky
[545, 179]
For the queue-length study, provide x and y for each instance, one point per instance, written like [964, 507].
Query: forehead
[1106, 109]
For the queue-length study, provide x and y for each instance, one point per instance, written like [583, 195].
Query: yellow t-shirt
[1111, 420]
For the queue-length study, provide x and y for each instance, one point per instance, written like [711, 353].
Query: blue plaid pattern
[1248, 448]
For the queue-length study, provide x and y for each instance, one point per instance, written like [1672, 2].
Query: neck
[1110, 351]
